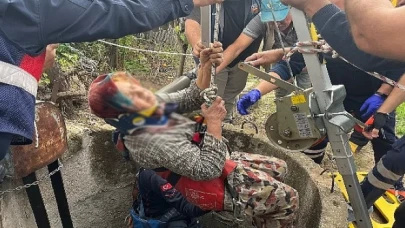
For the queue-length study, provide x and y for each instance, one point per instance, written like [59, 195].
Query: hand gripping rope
[210, 94]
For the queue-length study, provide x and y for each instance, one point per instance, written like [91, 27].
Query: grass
[400, 124]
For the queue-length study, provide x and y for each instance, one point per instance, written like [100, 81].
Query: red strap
[196, 138]
[358, 128]
[120, 144]
[228, 168]
[370, 121]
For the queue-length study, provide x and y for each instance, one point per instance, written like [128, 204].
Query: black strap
[382, 95]
[60, 196]
[36, 202]
[231, 190]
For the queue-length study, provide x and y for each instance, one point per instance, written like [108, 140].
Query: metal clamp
[267, 77]
[206, 34]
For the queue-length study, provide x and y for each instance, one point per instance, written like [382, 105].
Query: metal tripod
[330, 100]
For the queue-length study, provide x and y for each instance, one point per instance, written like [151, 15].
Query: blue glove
[248, 100]
[371, 105]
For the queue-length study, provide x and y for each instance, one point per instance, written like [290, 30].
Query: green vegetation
[400, 128]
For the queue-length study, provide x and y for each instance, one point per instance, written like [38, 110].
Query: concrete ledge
[98, 183]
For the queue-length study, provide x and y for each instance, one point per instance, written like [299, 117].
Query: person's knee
[394, 160]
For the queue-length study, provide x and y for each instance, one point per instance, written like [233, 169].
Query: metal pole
[326, 97]
[206, 23]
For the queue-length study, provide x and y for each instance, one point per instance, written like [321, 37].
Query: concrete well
[98, 183]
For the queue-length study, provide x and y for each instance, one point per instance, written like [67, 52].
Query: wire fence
[159, 54]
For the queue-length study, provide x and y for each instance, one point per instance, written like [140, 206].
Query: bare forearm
[192, 32]
[396, 97]
[368, 16]
[204, 76]
[215, 129]
[385, 89]
[266, 87]
[315, 6]
[229, 55]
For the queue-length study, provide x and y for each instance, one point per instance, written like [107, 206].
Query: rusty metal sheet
[49, 141]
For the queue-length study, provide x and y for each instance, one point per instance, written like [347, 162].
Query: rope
[144, 50]
[210, 94]
[314, 47]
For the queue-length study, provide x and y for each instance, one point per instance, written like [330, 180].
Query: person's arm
[50, 56]
[193, 30]
[372, 21]
[396, 97]
[266, 87]
[253, 30]
[374, 102]
[166, 191]
[334, 27]
[266, 57]
[280, 70]
[178, 154]
[297, 64]
[190, 99]
[233, 51]
[385, 89]
[83, 20]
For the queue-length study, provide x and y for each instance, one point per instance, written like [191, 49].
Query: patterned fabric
[258, 179]
[116, 93]
[172, 146]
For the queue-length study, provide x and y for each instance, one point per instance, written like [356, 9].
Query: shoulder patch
[166, 187]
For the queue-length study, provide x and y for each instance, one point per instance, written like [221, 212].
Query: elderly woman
[196, 161]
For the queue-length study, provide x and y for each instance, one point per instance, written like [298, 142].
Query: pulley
[293, 125]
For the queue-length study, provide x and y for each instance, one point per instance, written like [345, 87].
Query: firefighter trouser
[399, 216]
[385, 173]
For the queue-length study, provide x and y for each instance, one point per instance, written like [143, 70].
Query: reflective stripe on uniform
[387, 173]
[377, 183]
[13, 75]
